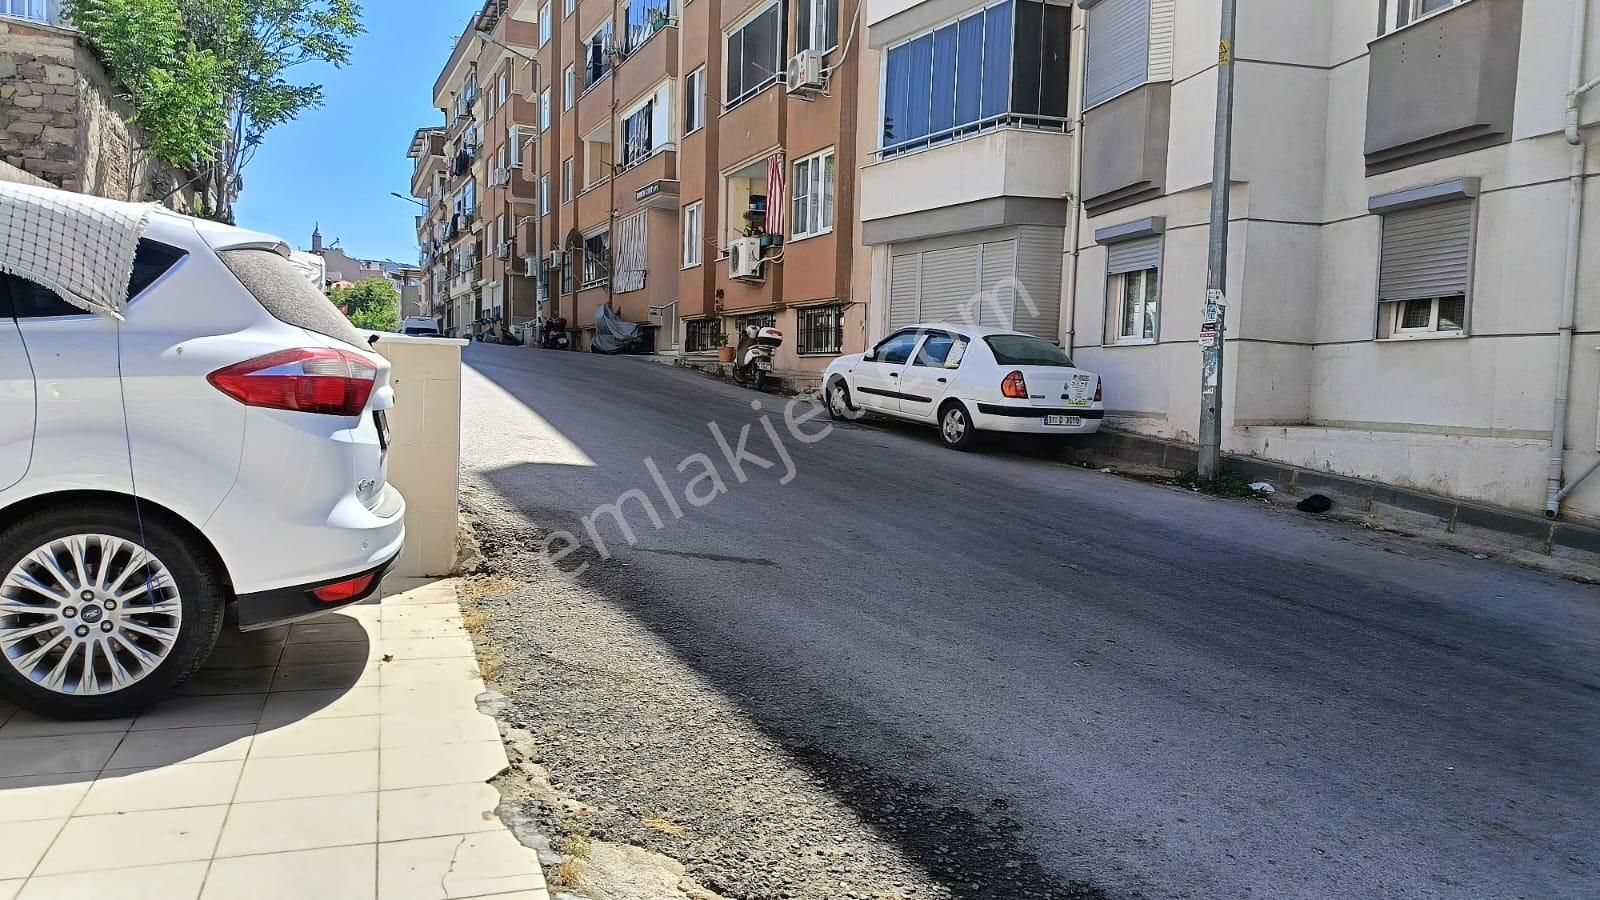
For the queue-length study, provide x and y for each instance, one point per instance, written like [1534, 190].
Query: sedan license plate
[1068, 421]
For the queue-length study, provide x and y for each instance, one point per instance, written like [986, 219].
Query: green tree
[209, 78]
[373, 304]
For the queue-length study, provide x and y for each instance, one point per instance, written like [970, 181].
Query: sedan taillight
[1014, 387]
[314, 380]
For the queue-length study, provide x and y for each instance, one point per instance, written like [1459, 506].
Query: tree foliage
[209, 78]
[372, 303]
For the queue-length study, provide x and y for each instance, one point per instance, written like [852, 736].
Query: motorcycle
[555, 335]
[752, 361]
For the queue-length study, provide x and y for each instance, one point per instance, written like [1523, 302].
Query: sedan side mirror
[869, 356]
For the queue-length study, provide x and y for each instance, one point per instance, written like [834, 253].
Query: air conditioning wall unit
[804, 74]
[505, 250]
[657, 315]
[744, 259]
[530, 266]
[558, 259]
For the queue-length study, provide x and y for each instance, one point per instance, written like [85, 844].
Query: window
[938, 351]
[566, 180]
[703, 334]
[1400, 13]
[500, 232]
[545, 25]
[645, 18]
[637, 141]
[1116, 55]
[1001, 66]
[544, 195]
[500, 160]
[544, 110]
[570, 7]
[515, 142]
[816, 25]
[1026, 350]
[566, 278]
[569, 88]
[596, 260]
[755, 54]
[813, 195]
[1425, 270]
[597, 55]
[693, 233]
[1133, 290]
[821, 329]
[694, 100]
[503, 90]
[896, 348]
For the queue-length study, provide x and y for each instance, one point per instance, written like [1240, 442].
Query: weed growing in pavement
[705, 482]
[658, 823]
[569, 872]
[1226, 484]
[577, 845]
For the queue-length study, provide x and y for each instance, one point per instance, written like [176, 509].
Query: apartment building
[767, 199]
[471, 173]
[1399, 242]
[965, 178]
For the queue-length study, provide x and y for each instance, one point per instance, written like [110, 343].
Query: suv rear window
[31, 300]
[283, 291]
[1025, 350]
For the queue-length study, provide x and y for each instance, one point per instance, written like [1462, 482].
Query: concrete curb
[1557, 538]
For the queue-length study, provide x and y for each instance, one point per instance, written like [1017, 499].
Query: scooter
[752, 361]
[555, 335]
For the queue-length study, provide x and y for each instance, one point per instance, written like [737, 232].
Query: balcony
[652, 53]
[463, 280]
[594, 205]
[1444, 85]
[987, 179]
[594, 108]
[751, 127]
[1125, 148]
[651, 182]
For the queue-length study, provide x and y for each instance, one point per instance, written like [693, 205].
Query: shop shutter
[949, 282]
[1427, 252]
[999, 284]
[903, 290]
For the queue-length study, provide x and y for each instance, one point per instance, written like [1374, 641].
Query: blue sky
[336, 165]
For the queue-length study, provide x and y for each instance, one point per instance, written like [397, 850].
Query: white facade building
[1399, 229]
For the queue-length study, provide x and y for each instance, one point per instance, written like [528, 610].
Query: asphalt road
[1172, 695]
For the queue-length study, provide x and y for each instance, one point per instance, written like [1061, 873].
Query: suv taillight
[314, 380]
[1099, 390]
[1014, 387]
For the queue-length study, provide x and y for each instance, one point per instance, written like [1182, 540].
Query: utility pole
[1213, 328]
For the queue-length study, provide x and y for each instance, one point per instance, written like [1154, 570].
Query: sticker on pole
[1209, 333]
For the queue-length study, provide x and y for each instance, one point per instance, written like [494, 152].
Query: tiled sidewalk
[342, 759]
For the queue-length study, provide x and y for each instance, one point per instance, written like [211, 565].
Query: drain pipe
[1569, 297]
[1075, 210]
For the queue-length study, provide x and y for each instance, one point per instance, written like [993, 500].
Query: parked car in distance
[420, 326]
[226, 443]
[966, 380]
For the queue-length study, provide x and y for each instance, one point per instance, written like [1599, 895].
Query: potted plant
[724, 352]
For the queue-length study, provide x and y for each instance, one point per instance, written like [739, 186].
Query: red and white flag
[775, 201]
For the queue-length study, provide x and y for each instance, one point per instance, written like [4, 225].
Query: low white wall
[425, 450]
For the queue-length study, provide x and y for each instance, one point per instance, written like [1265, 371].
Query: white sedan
[966, 380]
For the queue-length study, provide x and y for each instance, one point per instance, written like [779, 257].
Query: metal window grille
[821, 329]
[703, 334]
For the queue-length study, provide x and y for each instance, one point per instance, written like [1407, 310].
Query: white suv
[224, 443]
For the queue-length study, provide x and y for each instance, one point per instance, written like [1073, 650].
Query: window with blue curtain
[979, 71]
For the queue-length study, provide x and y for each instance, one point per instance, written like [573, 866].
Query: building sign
[654, 188]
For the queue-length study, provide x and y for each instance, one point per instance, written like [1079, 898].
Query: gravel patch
[653, 784]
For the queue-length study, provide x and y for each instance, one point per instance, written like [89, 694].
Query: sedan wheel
[88, 614]
[956, 429]
[838, 400]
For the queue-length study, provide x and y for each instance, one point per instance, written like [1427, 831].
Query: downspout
[1074, 209]
[1577, 153]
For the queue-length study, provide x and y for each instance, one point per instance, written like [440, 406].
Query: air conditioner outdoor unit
[744, 259]
[657, 315]
[505, 250]
[804, 73]
[530, 266]
[558, 259]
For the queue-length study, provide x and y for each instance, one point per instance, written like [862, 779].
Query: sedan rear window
[283, 291]
[1025, 350]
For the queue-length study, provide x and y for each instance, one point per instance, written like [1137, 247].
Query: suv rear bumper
[282, 606]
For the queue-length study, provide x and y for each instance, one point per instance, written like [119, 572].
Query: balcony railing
[974, 129]
[46, 11]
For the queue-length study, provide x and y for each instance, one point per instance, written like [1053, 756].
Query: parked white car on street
[225, 442]
[966, 380]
